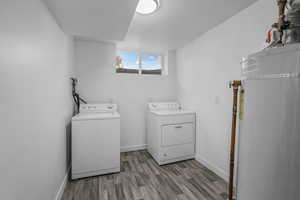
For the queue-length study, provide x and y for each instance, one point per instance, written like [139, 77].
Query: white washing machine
[170, 132]
[95, 140]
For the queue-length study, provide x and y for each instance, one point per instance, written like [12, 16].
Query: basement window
[139, 63]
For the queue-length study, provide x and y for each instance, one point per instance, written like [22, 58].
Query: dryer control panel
[164, 106]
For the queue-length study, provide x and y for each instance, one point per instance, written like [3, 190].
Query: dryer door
[178, 134]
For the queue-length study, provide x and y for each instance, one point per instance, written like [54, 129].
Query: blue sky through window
[130, 60]
[151, 62]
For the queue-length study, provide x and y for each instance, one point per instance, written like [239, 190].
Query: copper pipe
[281, 17]
[235, 85]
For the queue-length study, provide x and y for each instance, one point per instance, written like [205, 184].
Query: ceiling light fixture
[146, 7]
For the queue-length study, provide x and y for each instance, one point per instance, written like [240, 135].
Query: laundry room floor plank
[141, 178]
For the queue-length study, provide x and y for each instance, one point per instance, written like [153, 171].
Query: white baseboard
[133, 148]
[217, 170]
[62, 187]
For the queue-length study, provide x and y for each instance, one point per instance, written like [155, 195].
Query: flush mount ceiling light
[146, 7]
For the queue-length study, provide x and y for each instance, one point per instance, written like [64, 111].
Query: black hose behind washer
[76, 96]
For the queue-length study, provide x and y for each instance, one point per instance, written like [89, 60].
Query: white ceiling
[105, 20]
[178, 22]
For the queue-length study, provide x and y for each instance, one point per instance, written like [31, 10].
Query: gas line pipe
[236, 85]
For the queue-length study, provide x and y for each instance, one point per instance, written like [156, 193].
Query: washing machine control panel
[107, 107]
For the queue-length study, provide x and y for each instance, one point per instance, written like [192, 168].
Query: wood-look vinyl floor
[141, 178]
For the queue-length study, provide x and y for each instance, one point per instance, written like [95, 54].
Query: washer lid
[96, 116]
[172, 112]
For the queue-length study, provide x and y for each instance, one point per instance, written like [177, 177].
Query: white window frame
[140, 70]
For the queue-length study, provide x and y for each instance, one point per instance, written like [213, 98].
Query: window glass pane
[129, 60]
[151, 61]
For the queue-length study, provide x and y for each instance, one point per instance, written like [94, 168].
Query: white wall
[98, 81]
[35, 101]
[204, 70]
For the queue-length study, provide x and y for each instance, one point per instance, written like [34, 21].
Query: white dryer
[170, 132]
[95, 140]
